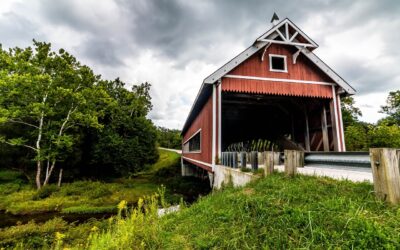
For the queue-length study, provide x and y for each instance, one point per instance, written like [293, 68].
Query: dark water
[8, 219]
[189, 188]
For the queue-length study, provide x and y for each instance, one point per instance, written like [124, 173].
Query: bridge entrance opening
[281, 122]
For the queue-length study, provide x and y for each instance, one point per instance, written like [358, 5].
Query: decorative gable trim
[286, 32]
[271, 36]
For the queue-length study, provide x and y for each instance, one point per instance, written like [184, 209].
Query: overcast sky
[175, 44]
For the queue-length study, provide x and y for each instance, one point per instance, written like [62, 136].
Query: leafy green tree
[49, 94]
[356, 137]
[392, 108]
[350, 113]
[169, 138]
[384, 135]
[128, 141]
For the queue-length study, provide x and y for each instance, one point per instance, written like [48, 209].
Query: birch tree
[50, 95]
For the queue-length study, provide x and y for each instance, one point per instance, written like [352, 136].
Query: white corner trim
[277, 79]
[214, 125]
[336, 120]
[284, 63]
[341, 122]
[219, 118]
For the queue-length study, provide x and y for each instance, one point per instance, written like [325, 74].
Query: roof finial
[274, 19]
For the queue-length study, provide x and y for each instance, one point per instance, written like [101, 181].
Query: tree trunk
[50, 171]
[60, 177]
[38, 171]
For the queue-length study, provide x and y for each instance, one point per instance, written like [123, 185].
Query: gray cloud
[16, 30]
[117, 37]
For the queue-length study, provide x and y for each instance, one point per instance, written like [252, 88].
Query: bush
[11, 176]
[32, 235]
[99, 191]
[89, 210]
[385, 136]
[9, 188]
[45, 192]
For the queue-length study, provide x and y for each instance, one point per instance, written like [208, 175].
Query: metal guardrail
[353, 159]
[350, 159]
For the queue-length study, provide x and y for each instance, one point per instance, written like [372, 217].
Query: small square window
[277, 63]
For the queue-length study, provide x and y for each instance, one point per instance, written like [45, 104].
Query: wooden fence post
[260, 157]
[254, 160]
[269, 162]
[243, 159]
[235, 160]
[277, 159]
[293, 160]
[386, 174]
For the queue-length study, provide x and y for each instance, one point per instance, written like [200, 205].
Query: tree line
[169, 138]
[57, 115]
[360, 136]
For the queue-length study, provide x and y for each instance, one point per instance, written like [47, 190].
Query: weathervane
[274, 19]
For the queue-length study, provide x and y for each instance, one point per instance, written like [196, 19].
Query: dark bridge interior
[282, 120]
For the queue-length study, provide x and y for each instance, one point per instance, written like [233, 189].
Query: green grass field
[273, 213]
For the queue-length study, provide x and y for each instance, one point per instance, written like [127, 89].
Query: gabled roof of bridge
[285, 32]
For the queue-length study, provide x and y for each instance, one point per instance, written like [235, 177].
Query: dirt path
[178, 151]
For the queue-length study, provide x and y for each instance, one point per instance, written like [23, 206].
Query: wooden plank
[277, 158]
[313, 138]
[324, 125]
[386, 174]
[243, 160]
[319, 145]
[254, 160]
[306, 132]
[293, 160]
[269, 162]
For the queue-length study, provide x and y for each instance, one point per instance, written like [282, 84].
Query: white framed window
[277, 63]
[193, 144]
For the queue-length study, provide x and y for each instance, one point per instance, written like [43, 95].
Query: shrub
[45, 192]
[9, 188]
[11, 176]
[89, 210]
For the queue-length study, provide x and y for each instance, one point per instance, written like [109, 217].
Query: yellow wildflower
[59, 236]
[122, 205]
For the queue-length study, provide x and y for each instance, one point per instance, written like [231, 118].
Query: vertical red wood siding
[304, 69]
[204, 122]
[276, 88]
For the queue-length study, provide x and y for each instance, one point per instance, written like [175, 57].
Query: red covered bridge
[277, 90]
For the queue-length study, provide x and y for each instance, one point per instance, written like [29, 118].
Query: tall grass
[18, 197]
[276, 212]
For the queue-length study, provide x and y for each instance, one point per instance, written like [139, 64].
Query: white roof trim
[327, 70]
[234, 62]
